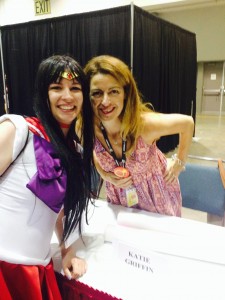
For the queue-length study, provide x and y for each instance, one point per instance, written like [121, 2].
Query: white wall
[19, 11]
[209, 26]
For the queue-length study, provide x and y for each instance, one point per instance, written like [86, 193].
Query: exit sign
[42, 7]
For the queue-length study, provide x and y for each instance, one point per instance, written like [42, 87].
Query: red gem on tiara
[68, 75]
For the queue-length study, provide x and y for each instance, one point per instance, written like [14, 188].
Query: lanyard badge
[121, 171]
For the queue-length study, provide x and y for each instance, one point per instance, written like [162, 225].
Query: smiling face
[65, 99]
[107, 97]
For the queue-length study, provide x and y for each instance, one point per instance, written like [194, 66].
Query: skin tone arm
[7, 134]
[73, 267]
[156, 126]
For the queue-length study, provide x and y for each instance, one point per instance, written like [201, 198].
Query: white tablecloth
[186, 258]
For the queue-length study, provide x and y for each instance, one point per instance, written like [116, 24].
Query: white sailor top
[26, 221]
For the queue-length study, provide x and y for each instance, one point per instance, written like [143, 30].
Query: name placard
[148, 262]
[42, 7]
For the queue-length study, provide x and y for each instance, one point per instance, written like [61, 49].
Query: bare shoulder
[155, 118]
[7, 127]
[150, 121]
[159, 124]
[7, 133]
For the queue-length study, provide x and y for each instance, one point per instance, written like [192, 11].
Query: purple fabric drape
[49, 182]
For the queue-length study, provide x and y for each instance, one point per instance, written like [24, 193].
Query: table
[133, 254]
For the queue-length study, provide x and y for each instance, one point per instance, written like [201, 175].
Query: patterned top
[147, 166]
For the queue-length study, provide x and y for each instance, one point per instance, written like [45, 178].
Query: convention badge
[132, 197]
[121, 172]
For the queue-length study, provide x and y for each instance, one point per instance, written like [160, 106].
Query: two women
[45, 178]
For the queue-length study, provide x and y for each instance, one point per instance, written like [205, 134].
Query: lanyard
[124, 145]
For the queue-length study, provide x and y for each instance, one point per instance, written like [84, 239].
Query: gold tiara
[68, 75]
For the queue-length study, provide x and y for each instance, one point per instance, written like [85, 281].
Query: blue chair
[203, 188]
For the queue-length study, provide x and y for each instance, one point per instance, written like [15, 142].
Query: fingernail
[69, 277]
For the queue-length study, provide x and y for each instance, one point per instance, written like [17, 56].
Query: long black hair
[77, 166]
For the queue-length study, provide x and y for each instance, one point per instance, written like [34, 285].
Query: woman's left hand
[73, 266]
[172, 171]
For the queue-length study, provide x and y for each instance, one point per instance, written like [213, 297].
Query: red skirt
[22, 282]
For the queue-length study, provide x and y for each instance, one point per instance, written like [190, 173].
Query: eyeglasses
[98, 95]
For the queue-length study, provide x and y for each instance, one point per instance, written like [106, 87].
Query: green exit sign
[42, 7]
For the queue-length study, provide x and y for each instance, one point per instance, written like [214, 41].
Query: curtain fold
[24, 46]
[89, 34]
[2, 111]
[164, 66]
[80, 35]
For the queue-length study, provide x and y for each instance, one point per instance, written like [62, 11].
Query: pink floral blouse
[147, 166]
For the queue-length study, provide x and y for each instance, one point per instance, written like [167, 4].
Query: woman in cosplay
[45, 182]
[136, 172]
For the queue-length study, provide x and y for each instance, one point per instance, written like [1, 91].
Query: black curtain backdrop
[1, 92]
[165, 66]
[164, 62]
[90, 34]
[81, 35]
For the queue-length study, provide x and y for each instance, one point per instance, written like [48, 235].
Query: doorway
[213, 91]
